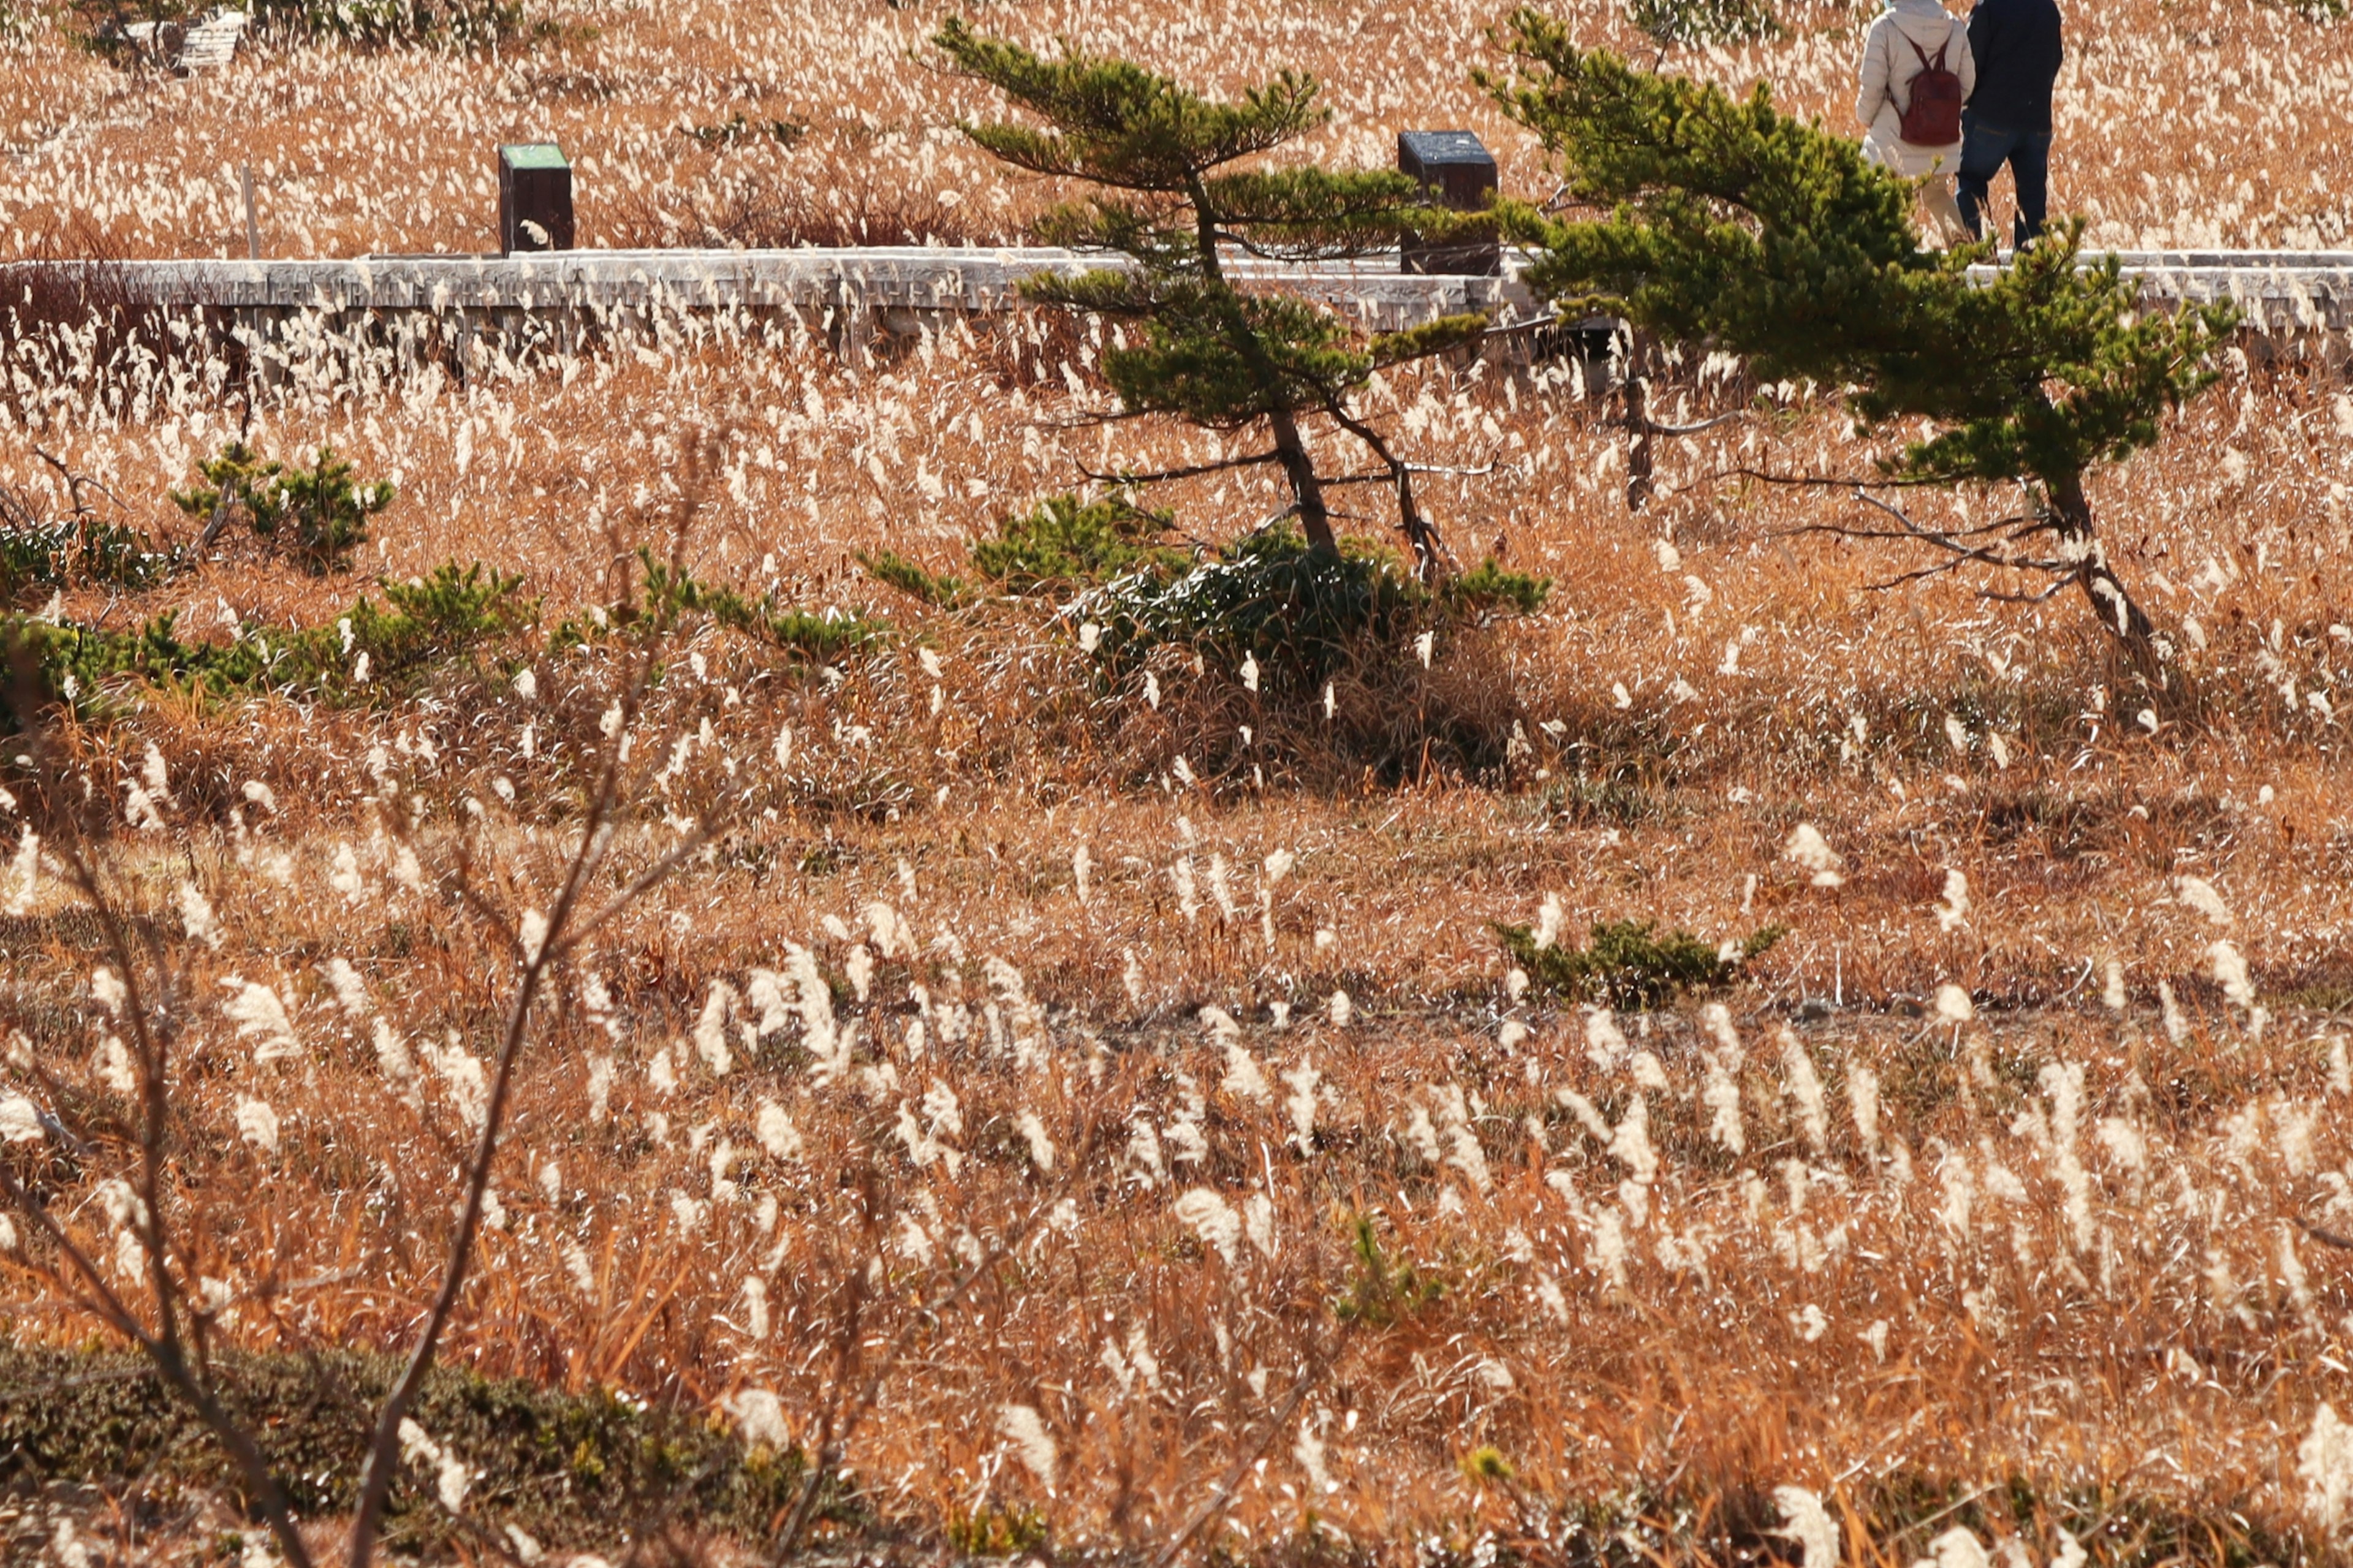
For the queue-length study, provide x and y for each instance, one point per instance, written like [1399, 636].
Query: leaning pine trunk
[1306, 488]
[2126, 620]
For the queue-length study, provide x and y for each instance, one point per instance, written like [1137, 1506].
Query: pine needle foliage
[1383, 1292]
[1062, 544]
[319, 514]
[1065, 541]
[815, 637]
[1172, 201]
[41, 554]
[1300, 613]
[1728, 223]
[551, 1463]
[377, 651]
[372, 652]
[1628, 965]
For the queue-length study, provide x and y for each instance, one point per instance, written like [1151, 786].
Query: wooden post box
[1455, 166]
[534, 198]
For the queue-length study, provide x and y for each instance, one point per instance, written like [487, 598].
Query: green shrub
[911, 579]
[1629, 966]
[997, 1531]
[323, 515]
[1488, 589]
[1349, 667]
[1704, 21]
[1068, 544]
[1061, 545]
[672, 593]
[1382, 1293]
[576, 1470]
[1300, 613]
[371, 649]
[41, 555]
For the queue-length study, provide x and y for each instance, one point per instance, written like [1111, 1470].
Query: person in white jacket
[1907, 33]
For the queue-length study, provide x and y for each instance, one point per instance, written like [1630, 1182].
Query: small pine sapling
[1628, 964]
[1176, 198]
[1065, 543]
[1729, 225]
[317, 512]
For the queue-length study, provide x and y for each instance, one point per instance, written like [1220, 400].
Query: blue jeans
[1984, 149]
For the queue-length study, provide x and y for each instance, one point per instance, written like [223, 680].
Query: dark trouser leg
[2030, 164]
[1983, 150]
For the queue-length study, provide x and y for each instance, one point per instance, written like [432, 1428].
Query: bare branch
[2326, 1238]
[75, 481]
[1221, 466]
[1277, 1421]
[383, 1448]
[840, 1423]
[643, 883]
[150, 1039]
[1822, 481]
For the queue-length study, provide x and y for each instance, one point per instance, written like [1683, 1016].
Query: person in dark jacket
[2008, 120]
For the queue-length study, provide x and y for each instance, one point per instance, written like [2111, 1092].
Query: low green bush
[1382, 1293]
[1705, 21]
[1068, 544]
[1628, 965]
[1298, 612]
[912, 579]
[379, 649]
[317, 514]
[670, 594]
[371, 649]
[1328, 665]
[41, 555]
[1061, 545]
[570, 1469]
[1489, 589]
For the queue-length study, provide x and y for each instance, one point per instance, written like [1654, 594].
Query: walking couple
[1941, 96]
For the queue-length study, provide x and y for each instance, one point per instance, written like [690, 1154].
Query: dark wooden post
[534, 198]
[1457, 167]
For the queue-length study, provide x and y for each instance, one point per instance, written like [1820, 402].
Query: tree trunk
[1428, 550]
[1306, 489]
[2126, 621]
[1638, 431]
[1291, 447]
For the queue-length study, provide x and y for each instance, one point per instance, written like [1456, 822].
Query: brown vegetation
[994, 1055]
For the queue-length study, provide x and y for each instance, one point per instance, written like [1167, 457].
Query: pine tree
[1173, 202]
[1733, 226]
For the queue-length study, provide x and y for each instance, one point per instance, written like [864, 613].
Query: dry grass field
[1107, 1115]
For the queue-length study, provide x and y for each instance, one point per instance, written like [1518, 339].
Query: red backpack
[1933, 118]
